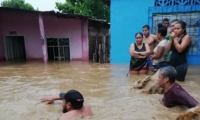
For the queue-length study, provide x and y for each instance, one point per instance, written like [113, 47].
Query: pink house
[35, 35]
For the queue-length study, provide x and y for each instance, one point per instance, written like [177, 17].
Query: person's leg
[160, 65]
[181, 72]
[133, 69]
[144, 69]
[150, 64]
[134, 72]
[163, 64]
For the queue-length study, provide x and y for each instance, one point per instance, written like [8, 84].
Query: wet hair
[169, 72]
[183, 25]
[138, 33]
[146, 26]
[159, 25]
[165, 19]
[162, 30]
[175, 20]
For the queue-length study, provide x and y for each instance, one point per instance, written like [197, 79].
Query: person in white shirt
[159, 57]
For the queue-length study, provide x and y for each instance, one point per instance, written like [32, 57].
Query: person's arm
[169, 46]
[131, 49]
[159, 53]
[50, 99]
[133, 53]
[171, 42]
[146, 53]
[156, 39]
[185, 42]
[183, 98]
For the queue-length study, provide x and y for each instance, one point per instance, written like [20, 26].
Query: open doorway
[15, 48]
[58, 49]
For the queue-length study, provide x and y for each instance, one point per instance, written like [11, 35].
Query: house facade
[47, 36]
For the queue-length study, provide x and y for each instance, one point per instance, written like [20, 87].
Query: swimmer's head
[145, 30]
[166, 75]
[72, 100]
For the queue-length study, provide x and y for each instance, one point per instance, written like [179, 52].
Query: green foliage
[92, 8]
[19, 4]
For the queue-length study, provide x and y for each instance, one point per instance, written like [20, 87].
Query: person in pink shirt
[174, 94]
[73, 105]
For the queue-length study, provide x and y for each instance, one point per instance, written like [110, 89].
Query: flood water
[104, 86]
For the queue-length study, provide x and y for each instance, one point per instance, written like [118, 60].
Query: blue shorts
[149, 63]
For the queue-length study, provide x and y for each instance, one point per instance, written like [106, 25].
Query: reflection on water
[104, 86]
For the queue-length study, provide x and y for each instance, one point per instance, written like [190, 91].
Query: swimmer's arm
[147, 52]
[159, 53]
[50, 99]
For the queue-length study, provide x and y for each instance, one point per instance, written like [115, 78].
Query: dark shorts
[181, 71]
[149, 63]
[160, 65]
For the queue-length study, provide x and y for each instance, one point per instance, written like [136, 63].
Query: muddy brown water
[104, 86]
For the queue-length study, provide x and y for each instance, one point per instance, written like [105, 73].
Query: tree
[92, 8]
[19, 4]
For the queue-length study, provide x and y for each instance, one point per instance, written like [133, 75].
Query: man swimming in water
[73, 105]
[174, 94]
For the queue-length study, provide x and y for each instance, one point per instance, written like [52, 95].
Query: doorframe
[5, 47]
[60, 38]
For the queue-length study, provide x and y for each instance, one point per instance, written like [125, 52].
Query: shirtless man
[73, 105]
[151, 40]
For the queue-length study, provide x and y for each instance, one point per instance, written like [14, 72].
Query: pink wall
[25, 24]
[69, 28]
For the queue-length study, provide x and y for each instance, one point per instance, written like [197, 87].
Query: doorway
[58, 49]
[98, 50]
[15, 48]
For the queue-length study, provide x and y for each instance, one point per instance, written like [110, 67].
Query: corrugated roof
[57, 14]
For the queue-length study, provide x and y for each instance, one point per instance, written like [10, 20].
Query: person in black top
[179, 45]
[139, 52]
